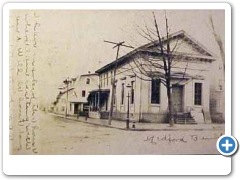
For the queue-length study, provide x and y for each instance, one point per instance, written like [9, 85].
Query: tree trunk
[170, 106]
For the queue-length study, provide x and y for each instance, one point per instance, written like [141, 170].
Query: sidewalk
[117, 124]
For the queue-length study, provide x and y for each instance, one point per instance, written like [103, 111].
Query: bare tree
[218, 40]
[162, 62]
[220, 44]
[146, 68]
[167, 62]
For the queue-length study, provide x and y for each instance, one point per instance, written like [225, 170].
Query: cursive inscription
[166, 138]
[24, 32]
[170, 139]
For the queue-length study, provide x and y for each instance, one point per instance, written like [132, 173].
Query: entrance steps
[184, 118]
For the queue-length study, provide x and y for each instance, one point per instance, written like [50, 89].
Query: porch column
[91, 103]
[99, 101]
[95, 101]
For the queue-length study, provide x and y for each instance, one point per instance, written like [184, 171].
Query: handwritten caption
[170, 139]
[23, 121]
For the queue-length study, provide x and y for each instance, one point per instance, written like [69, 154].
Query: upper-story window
[88, 81]
[104, 78]
[101, 81]
[107, 78]
[111, 76]
[83, 93]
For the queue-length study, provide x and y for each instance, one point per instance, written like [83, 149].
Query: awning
[100, 90]
[78, 102]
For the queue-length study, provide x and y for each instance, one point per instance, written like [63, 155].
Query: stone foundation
[154, 117]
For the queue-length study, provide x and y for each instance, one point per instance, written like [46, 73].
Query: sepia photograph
[116, 82]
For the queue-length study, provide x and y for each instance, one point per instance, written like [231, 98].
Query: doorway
[177, 98]
[75, 108]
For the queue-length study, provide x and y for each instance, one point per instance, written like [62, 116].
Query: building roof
[90, 74]
[206, 54]
[100, 90]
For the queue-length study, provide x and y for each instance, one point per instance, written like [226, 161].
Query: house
[190, 80]
[72, 98]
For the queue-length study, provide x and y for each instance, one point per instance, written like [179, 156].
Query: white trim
[101, 165]
[202, 90]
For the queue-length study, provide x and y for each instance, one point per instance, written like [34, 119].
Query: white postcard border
[113, 165]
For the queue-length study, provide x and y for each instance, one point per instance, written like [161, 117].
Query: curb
[137, 129]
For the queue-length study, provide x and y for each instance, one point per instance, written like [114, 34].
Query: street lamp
[128, 96]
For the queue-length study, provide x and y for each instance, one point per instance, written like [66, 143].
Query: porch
[98, 103]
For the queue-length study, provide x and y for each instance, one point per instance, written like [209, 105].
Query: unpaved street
[60, 136]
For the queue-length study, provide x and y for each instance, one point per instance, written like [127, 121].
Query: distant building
[72, 98]
[191, 82]
[217, 92]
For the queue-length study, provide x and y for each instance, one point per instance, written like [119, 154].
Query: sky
[71, 42]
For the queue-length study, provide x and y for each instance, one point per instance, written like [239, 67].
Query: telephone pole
[113, 83]
[66, 82]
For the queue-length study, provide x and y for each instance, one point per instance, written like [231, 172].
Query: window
[88, 81]
[107, 78]
[111, 77]
[220, 85]
[83, 93]
[100, 77]
[114, 95]
[132, 92]
[155, 91]
[103, 80]
[122, 94]
[198, 94]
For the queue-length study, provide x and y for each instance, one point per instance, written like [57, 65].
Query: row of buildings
[197, 79]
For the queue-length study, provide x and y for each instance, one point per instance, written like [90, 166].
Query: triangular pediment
[181, 42]
[186, 47]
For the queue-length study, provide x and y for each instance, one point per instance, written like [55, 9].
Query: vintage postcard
[117, 81]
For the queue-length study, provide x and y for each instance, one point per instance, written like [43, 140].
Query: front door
[75, 108]
[177, 97]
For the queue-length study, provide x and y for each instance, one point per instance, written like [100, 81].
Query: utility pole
[113, 83]
[66, 81]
